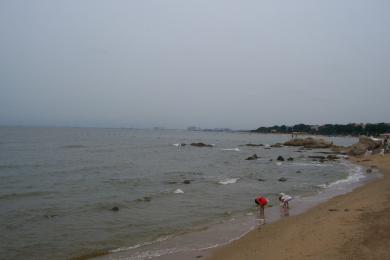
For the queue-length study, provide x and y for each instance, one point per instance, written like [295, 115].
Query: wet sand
[351, 226]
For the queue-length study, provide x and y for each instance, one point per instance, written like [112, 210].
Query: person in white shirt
[284, 199]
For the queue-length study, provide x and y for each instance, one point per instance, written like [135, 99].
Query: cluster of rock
[365, 143]
[309, 142]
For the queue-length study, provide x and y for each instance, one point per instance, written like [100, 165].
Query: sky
[205, 63]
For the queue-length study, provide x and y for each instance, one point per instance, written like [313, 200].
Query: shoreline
[273, 215]
[345, 227]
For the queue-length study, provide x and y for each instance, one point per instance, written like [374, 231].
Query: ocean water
[58, 186]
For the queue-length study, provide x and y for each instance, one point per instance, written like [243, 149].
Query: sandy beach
[351, 226]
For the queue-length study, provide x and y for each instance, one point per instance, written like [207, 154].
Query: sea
[81, 193]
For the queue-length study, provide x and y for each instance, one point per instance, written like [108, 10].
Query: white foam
[355, 175]
[231, 149]
[279, 163]
[178, 191]
[229, 181]
[161, 239]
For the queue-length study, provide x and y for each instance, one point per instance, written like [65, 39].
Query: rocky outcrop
[282, 179]
[365, 143]
[309, 142]
[253, 157]
[201, 145]
[280, 158]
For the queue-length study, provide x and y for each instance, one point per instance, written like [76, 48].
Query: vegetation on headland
[329, 129]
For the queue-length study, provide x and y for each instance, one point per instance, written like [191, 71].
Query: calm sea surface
[58, 186]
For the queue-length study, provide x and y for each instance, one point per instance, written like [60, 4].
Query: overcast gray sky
[208, 63]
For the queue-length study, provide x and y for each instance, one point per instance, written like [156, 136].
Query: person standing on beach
[261, 203]
[386, 144]
[284, 207]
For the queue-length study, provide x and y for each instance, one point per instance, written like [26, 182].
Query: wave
[231, 149]
[178, 191]
[158, 240]
[229, 181]
[24, 195]
[355, 175]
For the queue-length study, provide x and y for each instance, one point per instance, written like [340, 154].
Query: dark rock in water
[298, 172]
[290, 159]
[280, 158]
[253, 145]
[282, 179]
[186, 181]
[253, 157]
[368, 171]
[332, 157]
[201, 145]
[322, 160]
[172, 182]
[115, 209]
[277, 145]
[147, 199]
[270, 160]
[260, 179]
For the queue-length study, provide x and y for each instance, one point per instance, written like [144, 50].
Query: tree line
[329, 129]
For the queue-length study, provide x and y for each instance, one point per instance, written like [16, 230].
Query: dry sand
[351, 226]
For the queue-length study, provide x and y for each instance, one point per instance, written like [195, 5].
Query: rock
[115, 209]
[290, 159]
[332, 157]
[253, 145]
[277, 145]
[201, 145]
[368, 171]
[309, 142]
[365, 143]
[270, 160]
[298, 172]
[282, 179]
[253, 157]
[280, 158]
[186, 181]
[260, 179]
[147, 199]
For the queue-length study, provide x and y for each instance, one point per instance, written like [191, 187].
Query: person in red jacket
[261, 202]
